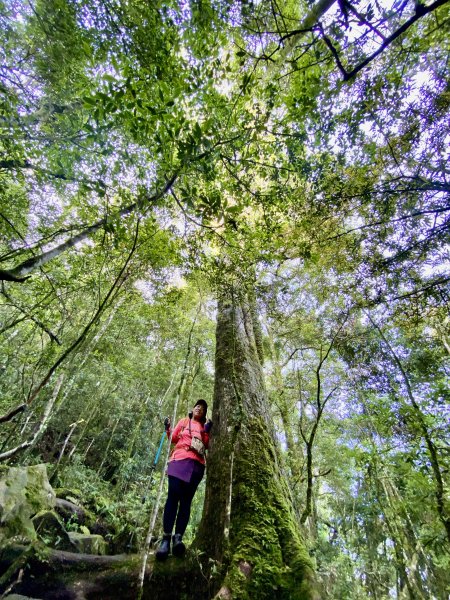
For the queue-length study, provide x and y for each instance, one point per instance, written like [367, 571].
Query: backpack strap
[185, 424]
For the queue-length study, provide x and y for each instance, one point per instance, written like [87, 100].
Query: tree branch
[422, 289]
[12, 413]
[306, 26]
[333, 51]
[413, 215]
[26, 164]
[39, 323]
[421, 11]
[117, 284]
[362, 19]
[31, 264]
[42, 426]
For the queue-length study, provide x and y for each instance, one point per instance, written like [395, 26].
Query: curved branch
[33, 263]
[39, 323]
[421, 11]
[120, 279]
[12, 413]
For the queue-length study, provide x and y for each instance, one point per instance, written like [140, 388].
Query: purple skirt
[187, 469]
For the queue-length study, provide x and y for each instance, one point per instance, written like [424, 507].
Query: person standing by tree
[185, 471]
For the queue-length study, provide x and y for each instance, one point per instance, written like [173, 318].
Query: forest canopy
[162, 161]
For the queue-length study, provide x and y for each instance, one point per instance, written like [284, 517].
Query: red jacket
[181, 437]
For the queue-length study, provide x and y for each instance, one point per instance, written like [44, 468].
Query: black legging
[179, 499]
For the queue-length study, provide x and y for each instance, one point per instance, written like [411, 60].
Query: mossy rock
[57, 575]
[50, 530]
[24, 491]
[88, 543]
[69, 494]
[69, 511]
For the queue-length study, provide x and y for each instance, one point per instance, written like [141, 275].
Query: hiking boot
[164, 548]
[178, 548]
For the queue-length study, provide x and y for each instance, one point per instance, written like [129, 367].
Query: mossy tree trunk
[248, 526]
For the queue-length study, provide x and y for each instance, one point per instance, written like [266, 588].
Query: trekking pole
[160, 403]
[158, 454]
[153, 467]
[152, 470]
[150, 481]
[156, 505]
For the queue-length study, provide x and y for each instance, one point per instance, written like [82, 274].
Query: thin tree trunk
[108, 445]
[121, 486]
[432, 450]
[319, 406]
[155, 511]
[293, 449]
[42, 426]
[392, 515]
[92, 414]
[91, 345]
[66, 441]
[86, 452]
[119, 281]
[415, 559]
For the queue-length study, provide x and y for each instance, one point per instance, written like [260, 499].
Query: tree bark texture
[248, 527]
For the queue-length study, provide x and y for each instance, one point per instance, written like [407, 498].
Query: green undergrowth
[123, 512]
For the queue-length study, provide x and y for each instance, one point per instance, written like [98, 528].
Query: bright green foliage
[374, 525]
[194, 146]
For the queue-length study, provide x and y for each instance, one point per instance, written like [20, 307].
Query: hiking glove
[167, 423]
[208, 426]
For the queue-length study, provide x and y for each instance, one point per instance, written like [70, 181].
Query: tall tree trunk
[248, 526]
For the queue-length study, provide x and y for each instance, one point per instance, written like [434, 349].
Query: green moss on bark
[255, 543]
[268, 558]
